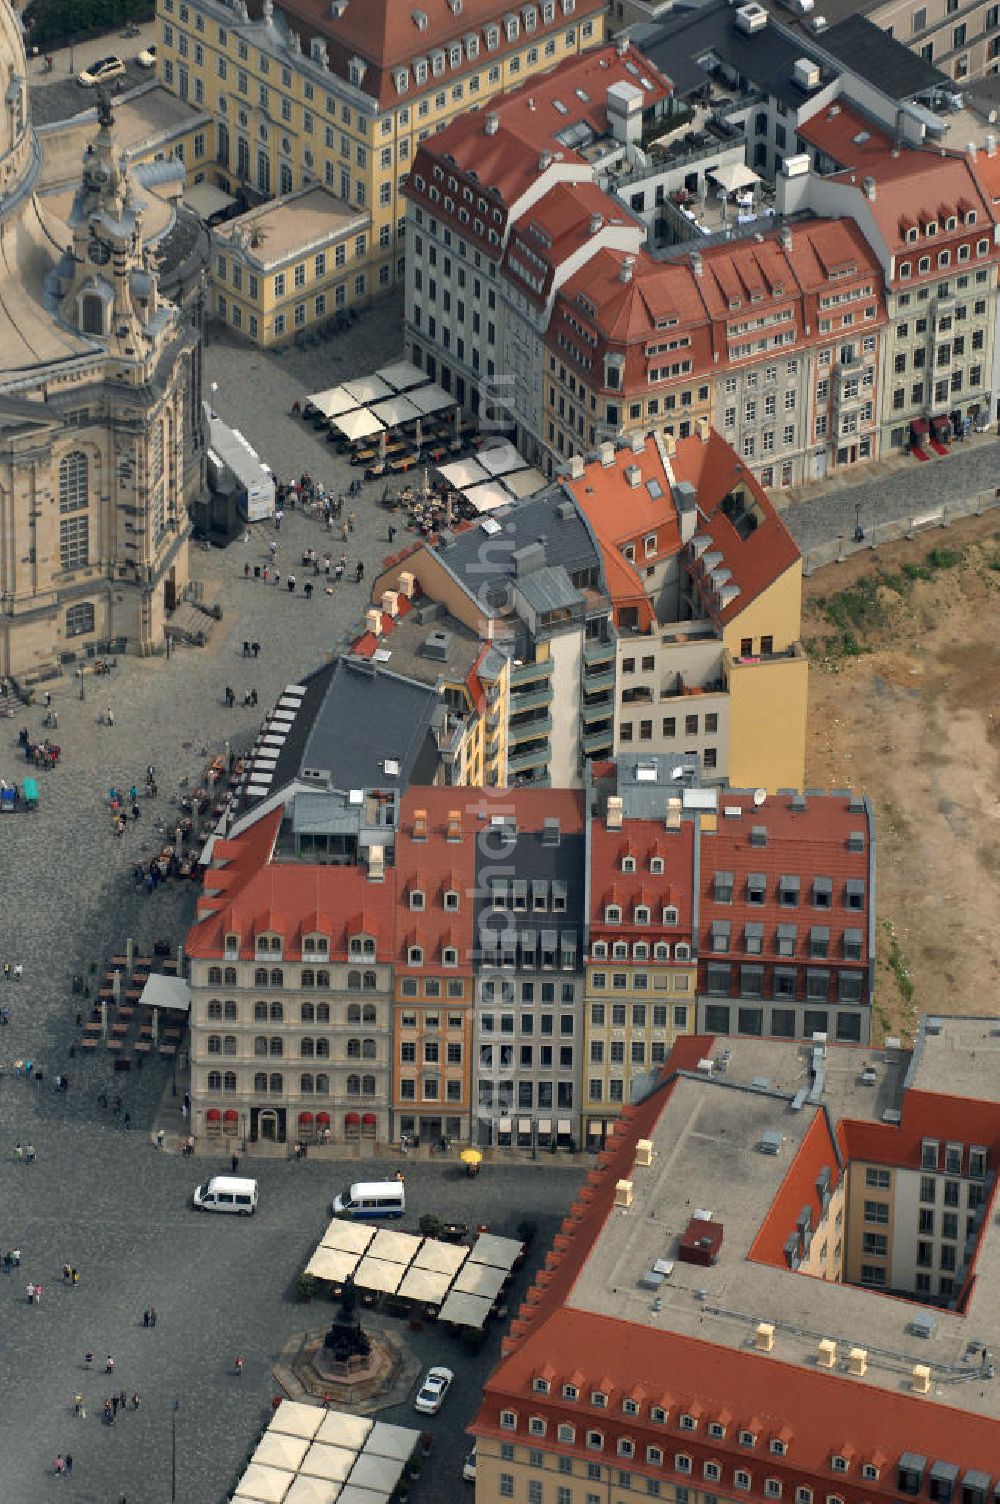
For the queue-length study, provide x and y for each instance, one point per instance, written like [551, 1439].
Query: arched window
[260, 976]
[370, 981]
[276, 945]
[260, 1081]
[230, 976]
[369, 1049]
[214, 1081]
[322, 1086]
[277, 977]
[92, 319]
[307, 1013]
[277, 1045]
[368, 1013]
[306, 1084]
[215, 976]
[367, 1086]
[229, 1081]
[323, 1049]
[322, 978]
[260, 1013]
[308, 977]
[354, 1049]
[215, 1008]
[308, 946]
[354, 1086]
[322, 1013]
[214, 1044]
[260, 1045]
[354, 981]
[277, 1013]
[307, 1048]
[277, 1084]
[368, 946]
[229, 1045]
[74, 482]
[354, 1013]
[229, 1010]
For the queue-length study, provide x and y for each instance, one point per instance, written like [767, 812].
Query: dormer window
[931, 228]
[626, 1447]
[669, 914]
[688, 1423]
[628, 863]
[541, 1386]
[612, 914]
[661, 951]
[640, 951]
[658, 1414]
[599, 1399]
[641, 914]
[970, 216]
[620, 950]
[869, 1472]
[599, 950]
[839, 1463]
[570, 1392]
[415, 955]
[232, 945]
[912, 234]
[748, 1439]
[417, 900]
[951, 223]
[567, 1434]
[656, 866]
[508, 1420]
[401, 78]
[682, 951]
[536, 1425]
[449, 956]
[630, 1407]
[451, 899]
[778, 1448]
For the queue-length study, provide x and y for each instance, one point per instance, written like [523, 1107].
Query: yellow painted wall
[776, 612]
[767, 723]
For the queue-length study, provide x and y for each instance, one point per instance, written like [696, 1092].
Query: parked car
[469, 1467]
[437, 1382]
[101, 72]
[147, 57]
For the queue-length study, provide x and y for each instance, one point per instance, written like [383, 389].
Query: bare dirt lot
[904, 644]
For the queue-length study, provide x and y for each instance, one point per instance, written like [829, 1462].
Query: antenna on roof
[759, 795]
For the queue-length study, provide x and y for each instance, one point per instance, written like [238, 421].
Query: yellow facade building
[341, 94]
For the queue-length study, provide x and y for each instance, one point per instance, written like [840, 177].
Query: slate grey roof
[549, 589]
[483, 562]
[875, 56]
[766, 58]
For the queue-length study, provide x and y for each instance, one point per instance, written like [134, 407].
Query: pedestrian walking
[123, 1400]
[114, 1404]
[29, 1153]
[18, 1152]
[135, 1402]
[351, 521]
[145, 1317]
[392, 532]
[31, 1293]
[239, 1367]
[255, 649]
[79, 1407]
[273, 547]
[277, 578]
[344, 531]
[69, 1463]
[109, 1366]
[159, 1141]
[88, 1360]
[291, 584]
[307, 590]
[152, 1315]
[74, 1277]
[109, 716]
[60, 1466]
[127, 1121]
[246, 648]
[38, 1295]
[246, 568]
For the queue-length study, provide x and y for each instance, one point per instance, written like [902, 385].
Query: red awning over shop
[351, 1117]
[214, 1115]
[231, 1115]
[919, 425]
[305, 1117]
[322, 1117]
[369, 1117]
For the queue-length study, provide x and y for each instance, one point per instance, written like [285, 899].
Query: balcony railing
[522, 731]
[598, 741]
[598, 651]
[594, 683]
[531, 757]
[536, 695]
[599, 710]
[524, 673]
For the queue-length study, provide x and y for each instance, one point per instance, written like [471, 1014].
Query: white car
[469, 1467]
[147, 58]
[436, 1384]
[101, 72]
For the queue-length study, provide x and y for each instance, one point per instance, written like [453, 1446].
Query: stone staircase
[188, 623]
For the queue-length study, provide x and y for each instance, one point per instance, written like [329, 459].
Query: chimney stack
[786, 240]
[626, 269]
[454, 832]
[614, 815]
[633, 476]
[696, 263]
[596, 223]
[637, 442]
[420, 825]
[870, 187]
[373, 621]
[406, 584]
[702, 428]
[492, 123]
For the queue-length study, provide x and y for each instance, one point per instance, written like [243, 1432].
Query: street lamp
[213, 388]
[173, 1450]
[859, 532]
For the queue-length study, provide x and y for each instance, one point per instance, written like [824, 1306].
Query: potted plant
[306, 1285]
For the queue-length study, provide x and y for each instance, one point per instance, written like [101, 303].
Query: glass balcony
[594, 683]
[598, 741]
[536, 695]
[525, 673]
[531, 757]
[523, 731]
[596, 651]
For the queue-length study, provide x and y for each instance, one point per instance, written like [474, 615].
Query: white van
[227, 1193]
[371, 1198]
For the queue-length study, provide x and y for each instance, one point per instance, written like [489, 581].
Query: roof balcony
[526, 673]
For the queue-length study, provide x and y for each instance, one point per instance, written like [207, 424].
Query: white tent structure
[465, 1310]
[462, 473]
[358, 425]
[166, 992]
[401, 375]
[265, 1485]
[295, 1419]
[488, 496]
[352, 1237]
[431, 399]
[333, 1264]
[523, 482]
[332, 402]
[277, 1449]
[351, 1458]
[732, 176]
[368, 389]
[312, 1491]
[394, 411]
[499, 456]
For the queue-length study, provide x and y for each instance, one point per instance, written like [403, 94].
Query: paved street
[902, 488]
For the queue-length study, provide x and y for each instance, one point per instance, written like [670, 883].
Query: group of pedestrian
[24, 1153]
[71, 1275]
[229, 696]
[251, 649]
[114, 1403]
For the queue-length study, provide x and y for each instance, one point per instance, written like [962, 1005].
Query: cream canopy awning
[357, 425]
[385, 1440]
[368, 389]
[352, 1237]
[430, 399]
[442, 1258]
[350, 1494]
[333, 1463]
[279, 1450]
[381, 1474]
[332, 402]
[394, 411]
[396, 1247]
[379, 1274]
[502, 1253]
[462, 473]
[425, 1285]
[401, 375]
[498, 457]
[205, 199]
[524, 482]
[465, 1310]
[488, 496]
[332, 1263]
[480, 1279]
[342, 1430]
[296, 1419]
[265, 1485]
[312, 1491]
[733, 175]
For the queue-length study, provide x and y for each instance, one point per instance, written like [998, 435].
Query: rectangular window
[74, 542]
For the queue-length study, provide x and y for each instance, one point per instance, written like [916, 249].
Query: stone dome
[18, 150]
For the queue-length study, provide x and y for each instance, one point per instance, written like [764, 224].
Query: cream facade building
[100, 439]
[342, 95]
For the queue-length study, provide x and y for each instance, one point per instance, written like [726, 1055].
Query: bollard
[840, 548]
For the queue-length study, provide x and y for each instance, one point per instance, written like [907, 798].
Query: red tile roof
[813, 1411]
[556, 228]
[384, 34]
[817, 1152]
[434, 865]
[609, 884]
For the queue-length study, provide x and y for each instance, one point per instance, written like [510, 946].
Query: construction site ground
[904, 704]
